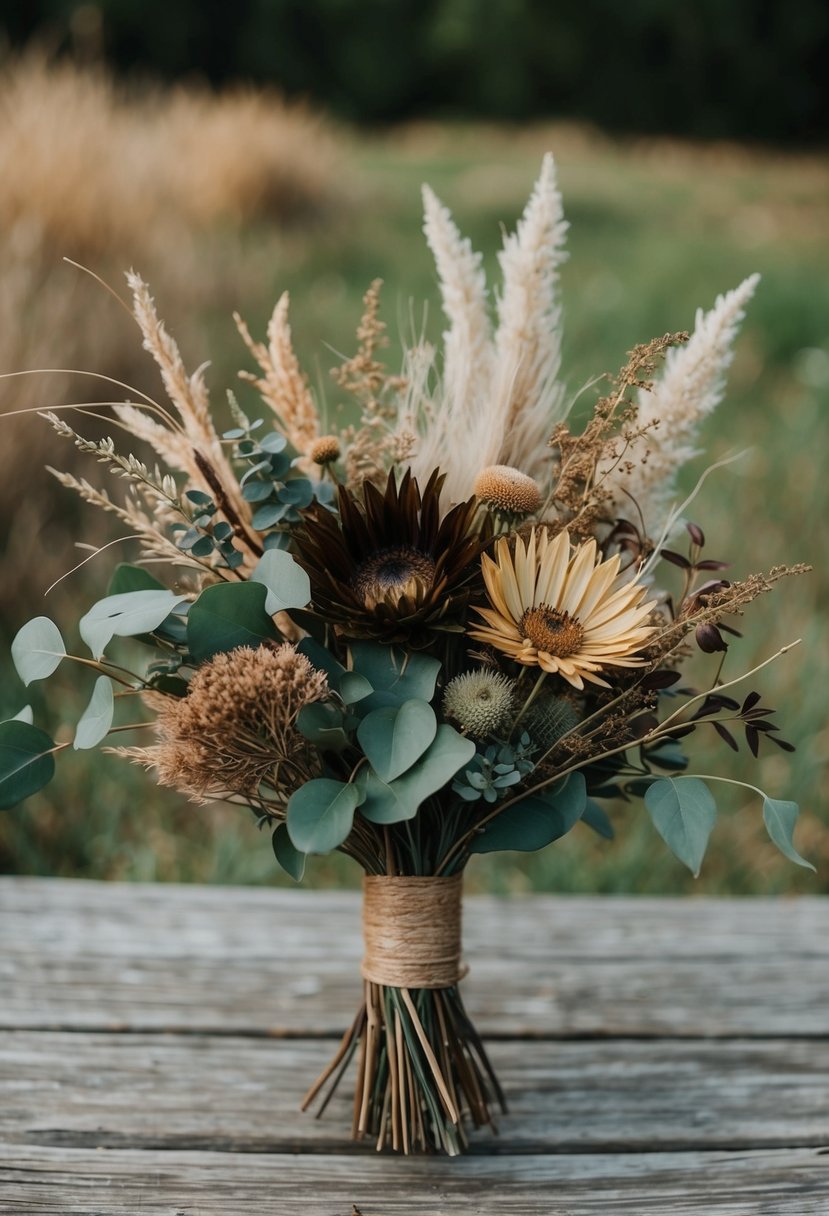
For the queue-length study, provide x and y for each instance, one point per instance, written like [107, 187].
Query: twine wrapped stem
[412, 931]
[422, 1071]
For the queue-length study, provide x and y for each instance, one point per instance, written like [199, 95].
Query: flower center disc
[393, 573]
[551, 631]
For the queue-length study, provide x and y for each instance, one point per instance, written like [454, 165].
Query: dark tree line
[704, 68]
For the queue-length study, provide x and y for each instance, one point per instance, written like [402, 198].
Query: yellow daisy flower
[569, 614]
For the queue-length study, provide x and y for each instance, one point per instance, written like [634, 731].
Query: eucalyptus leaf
[287, 583]
[269, 514]
[780, 818]
[322, 659]
[26, 761]
[321, 813]
[96, 719]
[321, 723]
[390, 802]
[125, 615]
[257, 491]
[385, 802]
[228, 615]
[353, 687]
[132, 578]
[37, 649]
[395, 675]
[394, 738]
[536, 820]
[298, 492]
[683, 811]
[596, 817]
[273, 442]
[291, 860]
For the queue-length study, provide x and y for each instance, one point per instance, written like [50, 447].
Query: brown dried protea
[234, 733]
[390, 567]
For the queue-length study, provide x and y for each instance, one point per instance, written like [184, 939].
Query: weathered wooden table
[661, 1056]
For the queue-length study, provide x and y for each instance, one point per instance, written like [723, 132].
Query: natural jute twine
[412, 931]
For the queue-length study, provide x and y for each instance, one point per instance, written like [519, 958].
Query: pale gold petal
[498, 621]
[578, 577]
[597, 588]
[525, 569]
[632, 619]
[492, 579]
[554, 571]
[508, 583]
[548, 662]
[615, 604]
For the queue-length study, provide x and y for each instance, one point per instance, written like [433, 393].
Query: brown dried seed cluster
[507, 489]
[236, 727]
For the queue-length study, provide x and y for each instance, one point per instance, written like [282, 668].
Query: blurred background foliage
[230, 158]
[707, 69]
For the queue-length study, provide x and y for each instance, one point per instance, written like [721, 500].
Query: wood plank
[106, 956]
[45, 1182]
[243, 1095]
[69, 916]
[559, 999]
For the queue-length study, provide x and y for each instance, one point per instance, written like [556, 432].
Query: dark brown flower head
[390, 567]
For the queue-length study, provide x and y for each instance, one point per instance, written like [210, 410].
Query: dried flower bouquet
[454, 626]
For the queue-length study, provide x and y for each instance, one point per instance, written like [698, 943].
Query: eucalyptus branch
[105, 668]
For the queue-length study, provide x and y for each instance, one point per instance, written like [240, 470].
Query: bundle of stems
[422, 1072]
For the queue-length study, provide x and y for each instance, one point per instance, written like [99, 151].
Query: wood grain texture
[659, 1056]
[243, 1095]
[45, 1182]
[217, 960]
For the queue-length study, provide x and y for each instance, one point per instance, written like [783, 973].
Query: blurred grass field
[657, 229]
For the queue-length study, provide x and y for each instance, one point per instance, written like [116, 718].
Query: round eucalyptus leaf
[96, 719]
[683, 811]
[780, 818]
[132, 578]
[395, 674]
[395, 738]
[321, 813]
[291, 860]
[126, 615]
[37, 649]
[228, 615]
[287, 583]
[321, 723]
[353, 687]
[26, 761]
[535, 821]
[268, 515]
[391, 802]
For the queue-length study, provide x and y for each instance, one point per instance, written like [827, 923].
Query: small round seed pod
[508, 490]
[481, 702]
[325, 450]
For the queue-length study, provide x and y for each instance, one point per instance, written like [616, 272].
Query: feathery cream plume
[528, 395]
[467, 358]
[690, 387]
[501, 391]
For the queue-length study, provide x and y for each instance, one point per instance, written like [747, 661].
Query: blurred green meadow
[658, 228]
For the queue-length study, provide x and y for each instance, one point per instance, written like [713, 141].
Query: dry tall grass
[98, 169]
[113, 179]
